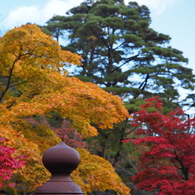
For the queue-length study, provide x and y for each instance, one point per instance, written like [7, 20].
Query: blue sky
[175, 18]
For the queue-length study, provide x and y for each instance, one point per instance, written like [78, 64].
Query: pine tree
[121, 52]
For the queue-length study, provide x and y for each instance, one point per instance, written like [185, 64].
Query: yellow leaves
[30, 50]
[83, 103]
[96, 174]
[36, 60]
[70, 58]
[32, 79]
[33, 168]
[91, 38]
[44, 137]
[26, 109]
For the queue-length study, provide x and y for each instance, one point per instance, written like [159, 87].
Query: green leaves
[118, 45]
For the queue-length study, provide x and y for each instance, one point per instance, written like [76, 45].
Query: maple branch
[172, 160]
[183, 168]
[10, 74]
[17, 84]
[9, 78]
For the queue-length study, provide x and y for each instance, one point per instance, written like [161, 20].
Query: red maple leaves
[8, 163]
[69, 135]
[167, 166]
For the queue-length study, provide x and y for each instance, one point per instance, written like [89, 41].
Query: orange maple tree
[34, 82]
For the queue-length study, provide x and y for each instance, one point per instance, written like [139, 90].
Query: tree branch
[183, 168]
[126, 61]
[9, 78]
[144, 83]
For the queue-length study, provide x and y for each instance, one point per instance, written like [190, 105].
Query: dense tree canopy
[167, 164]
[34, 82]
[121, 52]
[125, 56]
[8, 164]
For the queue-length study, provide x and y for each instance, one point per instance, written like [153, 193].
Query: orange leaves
[27, 49]
[27, 176]
[33, 82]
[83, 103]
[70, 58]
[93, 105]
[97, 174]
[34, 60]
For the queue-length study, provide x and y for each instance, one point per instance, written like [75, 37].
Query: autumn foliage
[167, 166]
[8, 163]
[97, 174]
[34, 82]
[32, 67]
[64, 131]
[94, 173]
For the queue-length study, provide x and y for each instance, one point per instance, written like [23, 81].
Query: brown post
[60, 160]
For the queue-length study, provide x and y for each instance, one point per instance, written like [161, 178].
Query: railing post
[60, 160]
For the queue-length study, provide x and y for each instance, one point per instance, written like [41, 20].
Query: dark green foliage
[121, 52]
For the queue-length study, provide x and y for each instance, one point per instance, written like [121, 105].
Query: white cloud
[156, 6]
[21, 15]
[36, 14]
[58, 7]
